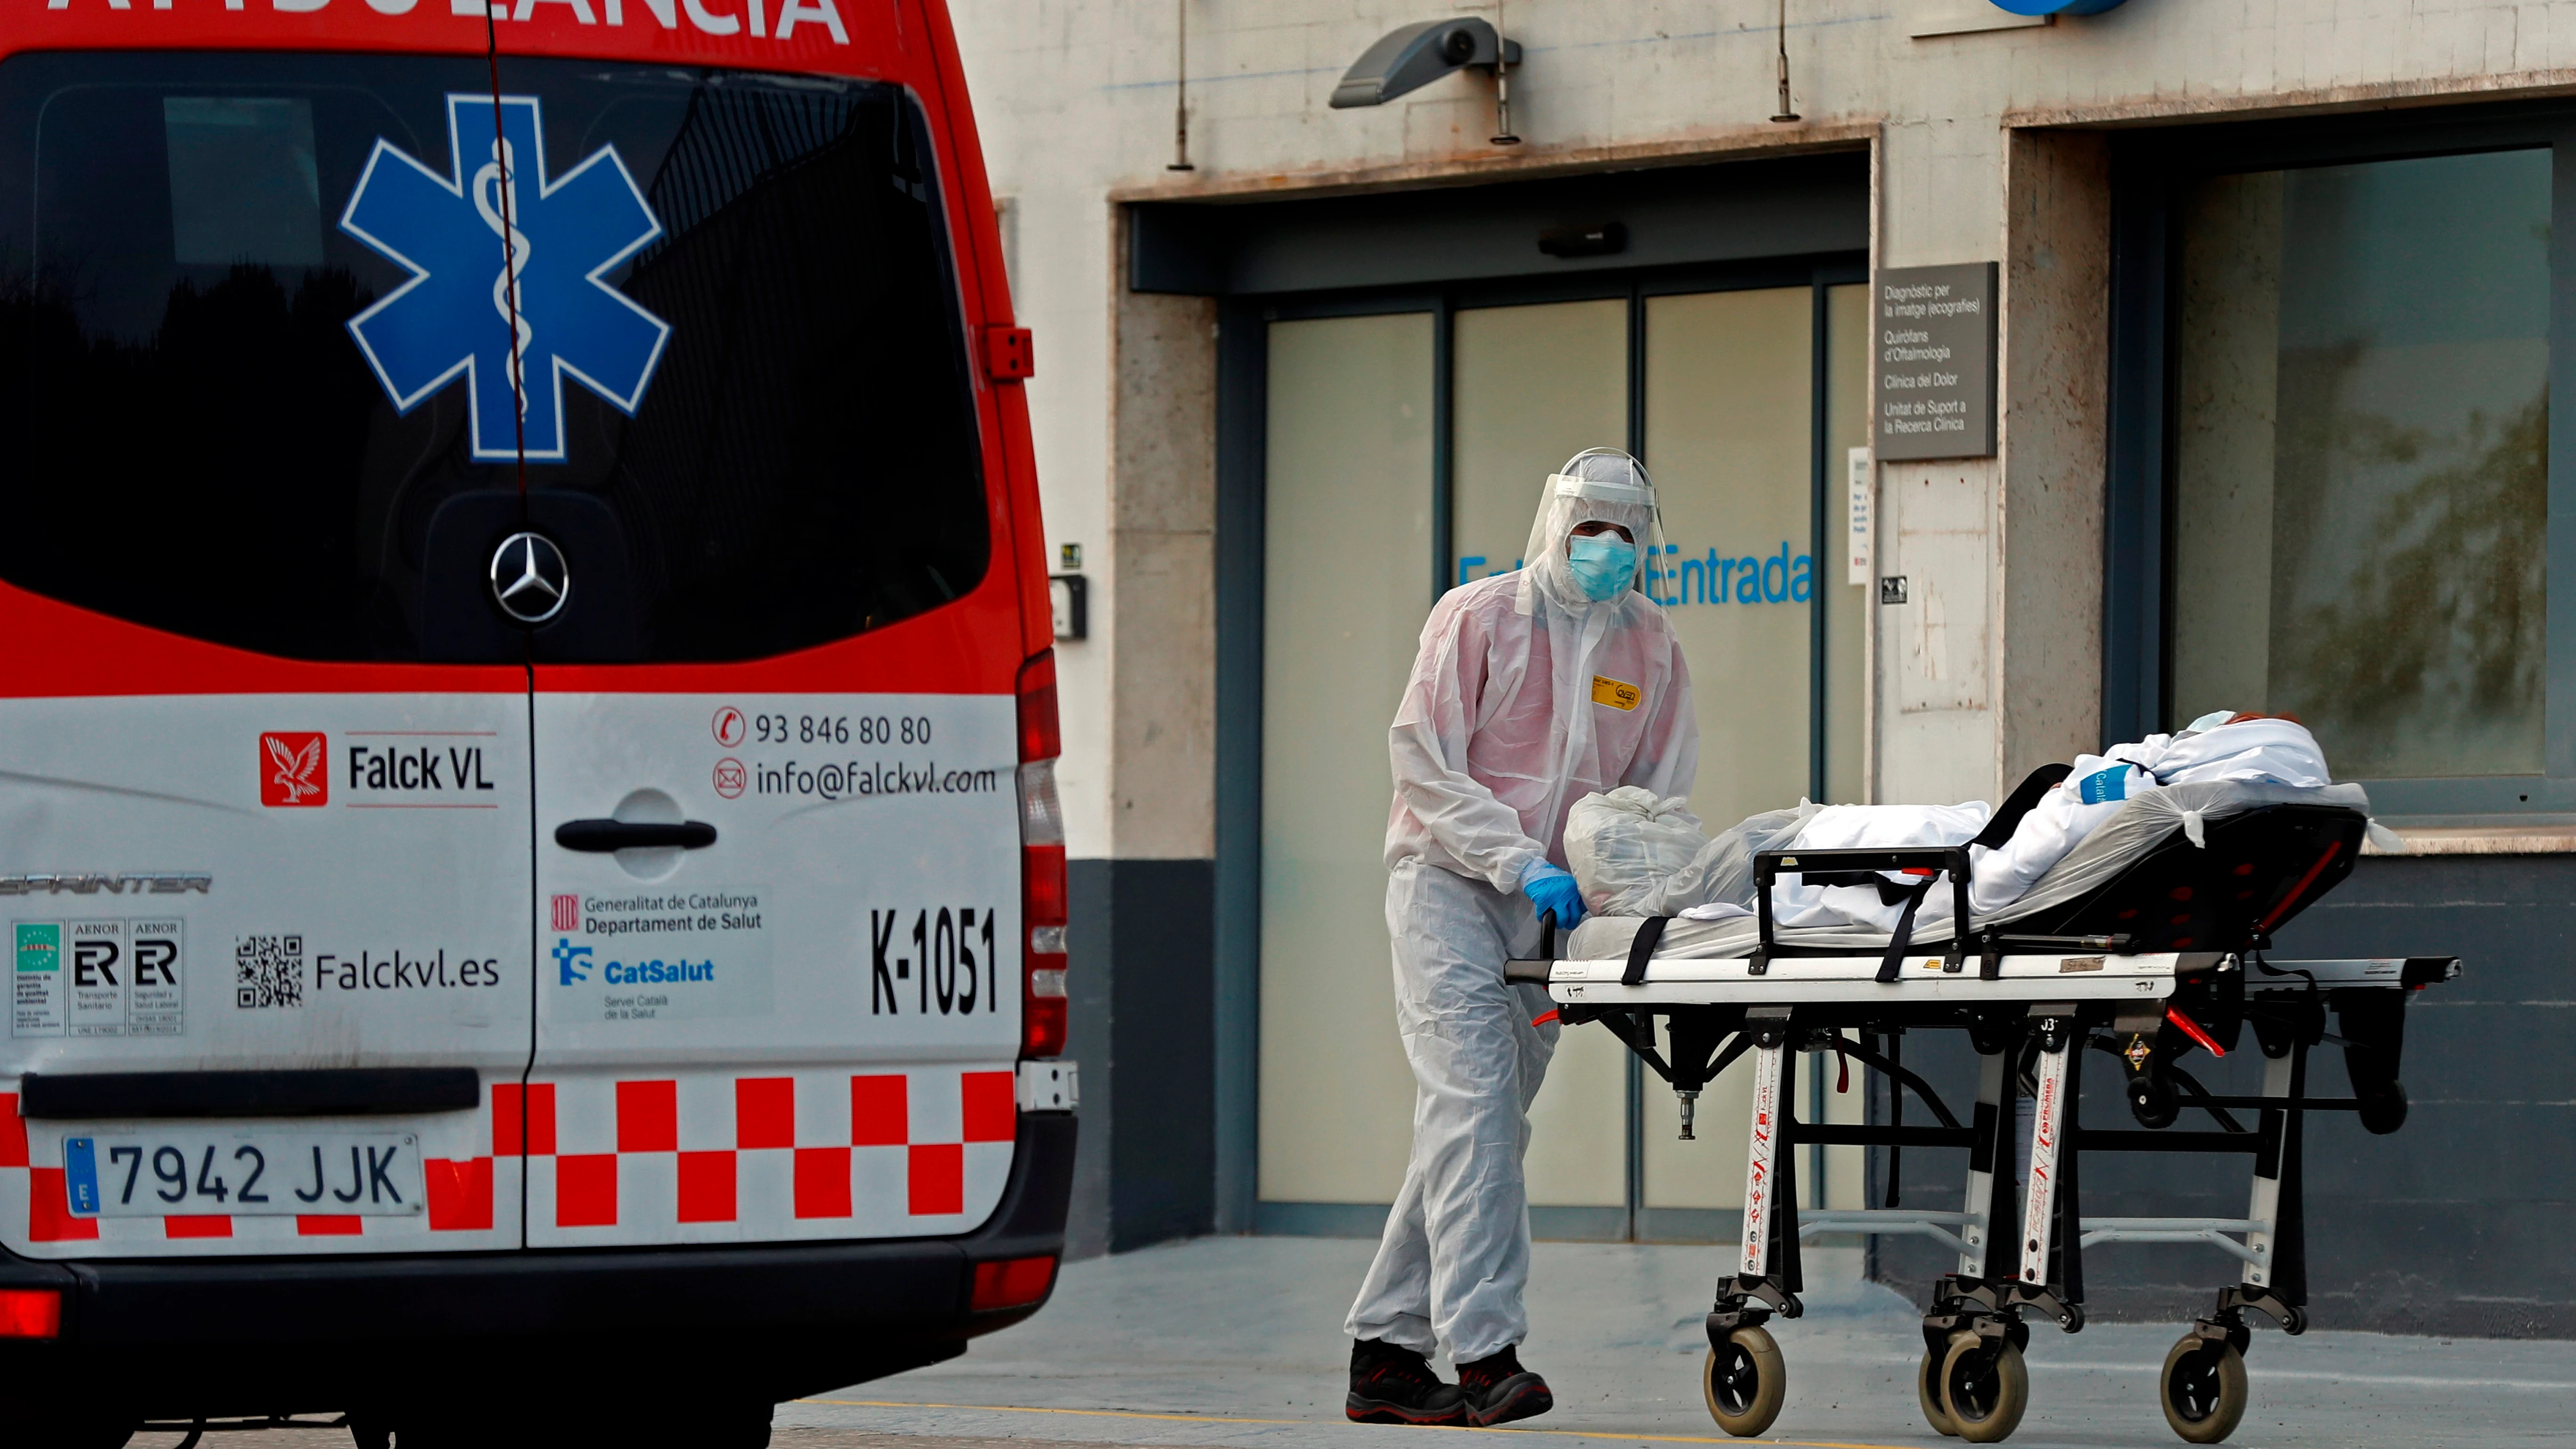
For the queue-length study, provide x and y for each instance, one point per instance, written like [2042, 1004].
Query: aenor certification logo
[96, 978]
[660, 955]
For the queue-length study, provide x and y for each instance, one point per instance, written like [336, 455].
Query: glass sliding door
[1533, 386]
[1731, 407]
[1346, 541]
[1729, 424]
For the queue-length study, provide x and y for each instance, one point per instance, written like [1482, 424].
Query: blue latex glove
[1552, 888]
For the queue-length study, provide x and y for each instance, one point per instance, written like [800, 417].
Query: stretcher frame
[2047, 999]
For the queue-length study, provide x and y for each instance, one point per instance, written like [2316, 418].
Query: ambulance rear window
[257, 346]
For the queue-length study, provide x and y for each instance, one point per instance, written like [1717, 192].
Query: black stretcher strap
[1642, 949]
[1904, 937]
[2024, 798]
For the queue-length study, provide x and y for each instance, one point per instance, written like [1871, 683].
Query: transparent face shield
[1597, 484]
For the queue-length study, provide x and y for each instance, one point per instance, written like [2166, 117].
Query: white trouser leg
[1454, 1259]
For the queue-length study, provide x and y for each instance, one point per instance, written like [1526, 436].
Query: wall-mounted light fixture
[1415, 56]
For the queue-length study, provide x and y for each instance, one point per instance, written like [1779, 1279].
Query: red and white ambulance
[527, 829]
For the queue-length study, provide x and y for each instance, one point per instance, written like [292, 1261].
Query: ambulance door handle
[604, 835]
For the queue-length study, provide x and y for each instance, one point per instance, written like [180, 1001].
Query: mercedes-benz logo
[529, 580]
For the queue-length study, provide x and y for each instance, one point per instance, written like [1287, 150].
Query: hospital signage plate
[1932, 335]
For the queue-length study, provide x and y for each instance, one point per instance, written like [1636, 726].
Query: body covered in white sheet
[2217, 748]
[2244, 749]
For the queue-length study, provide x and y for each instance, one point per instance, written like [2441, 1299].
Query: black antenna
[1181, 107]
[1786, 114]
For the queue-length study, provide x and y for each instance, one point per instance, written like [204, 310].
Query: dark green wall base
[1143, 981]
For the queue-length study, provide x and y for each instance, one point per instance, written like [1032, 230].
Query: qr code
[268, 971]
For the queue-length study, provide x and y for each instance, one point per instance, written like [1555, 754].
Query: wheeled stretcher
[2167, 954]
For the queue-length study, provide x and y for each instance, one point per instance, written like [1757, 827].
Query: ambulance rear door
[265, 833]
[778, 851]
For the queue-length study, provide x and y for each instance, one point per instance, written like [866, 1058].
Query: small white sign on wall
[1858, 531]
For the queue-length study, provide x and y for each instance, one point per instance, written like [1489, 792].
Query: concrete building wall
[1076, 104]
[1988, 141]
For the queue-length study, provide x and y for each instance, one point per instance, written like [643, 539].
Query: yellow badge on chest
[1614, 693]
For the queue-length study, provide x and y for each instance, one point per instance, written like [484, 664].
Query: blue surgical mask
[1604, 564]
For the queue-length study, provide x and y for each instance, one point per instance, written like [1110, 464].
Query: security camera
[1415, 56]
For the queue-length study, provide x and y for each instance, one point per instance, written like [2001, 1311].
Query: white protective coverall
[1525, 697]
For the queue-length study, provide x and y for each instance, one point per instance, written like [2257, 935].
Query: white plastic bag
[1721, 872]
[1624, 844]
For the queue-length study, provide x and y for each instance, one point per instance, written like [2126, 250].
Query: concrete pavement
[1237, 1342]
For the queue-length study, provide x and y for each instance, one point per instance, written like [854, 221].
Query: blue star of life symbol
[466, 237]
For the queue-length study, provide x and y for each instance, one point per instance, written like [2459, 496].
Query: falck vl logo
[468, 238]
[292, 770]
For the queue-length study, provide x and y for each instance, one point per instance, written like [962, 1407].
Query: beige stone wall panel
[2055, 336]
[1162, 675]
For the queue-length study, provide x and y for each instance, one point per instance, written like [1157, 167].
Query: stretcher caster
[1985, 1386]
[1927, 1393]
[2203, 1389]
[2152, 1101]
[1745, 1382]
[2383, 1107]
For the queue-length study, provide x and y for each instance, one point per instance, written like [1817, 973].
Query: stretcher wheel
[1745, 1382]
[1985, 1386]
[2153, 1101]
[2383, 1107]
[2203, 1389]
[1927, 1392]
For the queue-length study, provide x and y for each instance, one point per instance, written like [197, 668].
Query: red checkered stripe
[464, 1181]
[728, 1157]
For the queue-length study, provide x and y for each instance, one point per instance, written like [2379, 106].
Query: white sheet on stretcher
[2137, 828]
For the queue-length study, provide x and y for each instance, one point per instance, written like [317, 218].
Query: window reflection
[2361, 458]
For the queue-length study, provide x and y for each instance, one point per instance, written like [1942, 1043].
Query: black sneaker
[1498, 1390]
[1391, 1384]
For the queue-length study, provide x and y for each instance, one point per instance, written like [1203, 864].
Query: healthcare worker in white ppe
[1533, 688]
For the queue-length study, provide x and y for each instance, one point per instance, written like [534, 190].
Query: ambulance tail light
[33, 1313]
[1042, 871]
[1011, 1283]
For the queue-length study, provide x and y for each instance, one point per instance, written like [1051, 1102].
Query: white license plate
[242, 1173]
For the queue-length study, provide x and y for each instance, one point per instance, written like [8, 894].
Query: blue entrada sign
[1675, 579]
[466, 237]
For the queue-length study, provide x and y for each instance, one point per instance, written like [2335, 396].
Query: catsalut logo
[293, 769]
